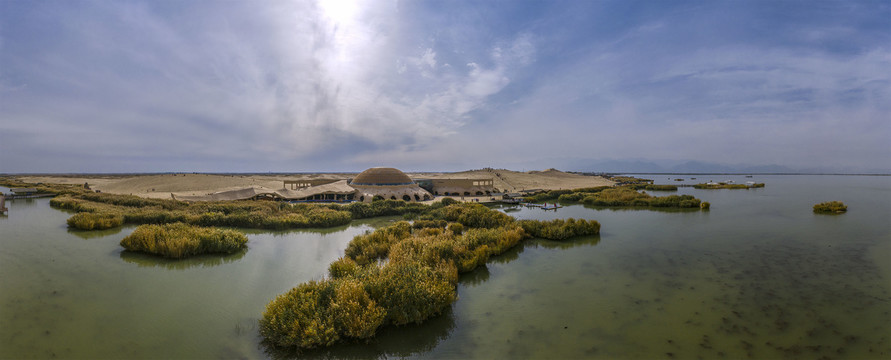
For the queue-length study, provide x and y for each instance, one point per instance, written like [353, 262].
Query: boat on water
[551, 207]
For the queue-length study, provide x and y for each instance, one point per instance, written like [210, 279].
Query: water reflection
[566, 244]
[638, 208]
[390, 341]
[475, 277]
[92, 234]
[146, 260]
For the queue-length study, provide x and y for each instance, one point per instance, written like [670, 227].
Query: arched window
[467, 193]
[417, 198]
[393, 197]
[406, 198]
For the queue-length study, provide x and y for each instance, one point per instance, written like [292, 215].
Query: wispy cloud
[101, 86]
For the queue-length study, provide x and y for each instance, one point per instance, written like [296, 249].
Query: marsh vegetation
[728, 186]
[110, 210]
[830, 207]
[180, 240]
[403, 273]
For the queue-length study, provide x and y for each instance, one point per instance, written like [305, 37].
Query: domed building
[388, 183]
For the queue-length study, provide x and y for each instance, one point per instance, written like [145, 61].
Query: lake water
[758, 276]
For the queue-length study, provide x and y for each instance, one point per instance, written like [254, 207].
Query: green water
[757, 276]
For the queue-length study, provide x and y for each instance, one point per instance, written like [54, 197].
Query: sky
[303, 86]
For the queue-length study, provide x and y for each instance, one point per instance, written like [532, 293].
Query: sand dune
[162, 185]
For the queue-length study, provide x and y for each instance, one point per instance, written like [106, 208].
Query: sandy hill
[162, 185]
[512, 181]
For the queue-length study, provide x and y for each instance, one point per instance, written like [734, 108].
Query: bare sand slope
[512, 181]
[162, 185]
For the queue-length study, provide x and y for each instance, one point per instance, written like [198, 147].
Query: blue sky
[238, 86]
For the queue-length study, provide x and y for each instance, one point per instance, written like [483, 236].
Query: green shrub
[180, 240]
[456, 228]
[361, 210]
[830, 207]
[356, 314]
[343, 267]
[705, 205]
[95, 221]
[301, 317]
[420, 224]
[411, 291]
[364, 249]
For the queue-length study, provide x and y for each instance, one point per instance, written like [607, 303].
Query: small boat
[531, 205]
[551, 207]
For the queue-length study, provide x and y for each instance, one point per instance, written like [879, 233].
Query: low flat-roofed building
[463, 187]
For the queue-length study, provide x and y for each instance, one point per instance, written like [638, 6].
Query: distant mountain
[676, 166]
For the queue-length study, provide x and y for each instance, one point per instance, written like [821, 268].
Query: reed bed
[248, 214]
[624, 196]
[417, 281]
[560, 229]
[93, 221]
[179, 240]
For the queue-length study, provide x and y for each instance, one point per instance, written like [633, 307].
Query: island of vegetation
[180, 240]
[830, 207]
[626, 195]
[400, 274]
[722, 185]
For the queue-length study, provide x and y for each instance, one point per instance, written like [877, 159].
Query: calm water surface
[758, 276]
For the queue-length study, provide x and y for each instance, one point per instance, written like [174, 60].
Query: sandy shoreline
[161, 186]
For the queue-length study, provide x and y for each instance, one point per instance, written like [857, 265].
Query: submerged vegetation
[417, 281]
[830, 207]
[180, 240]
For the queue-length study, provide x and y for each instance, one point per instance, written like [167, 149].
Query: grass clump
[320, 313]
[180, 240]
[830, 207]
[94, 221]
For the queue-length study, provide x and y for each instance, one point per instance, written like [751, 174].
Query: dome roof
[382, 176]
